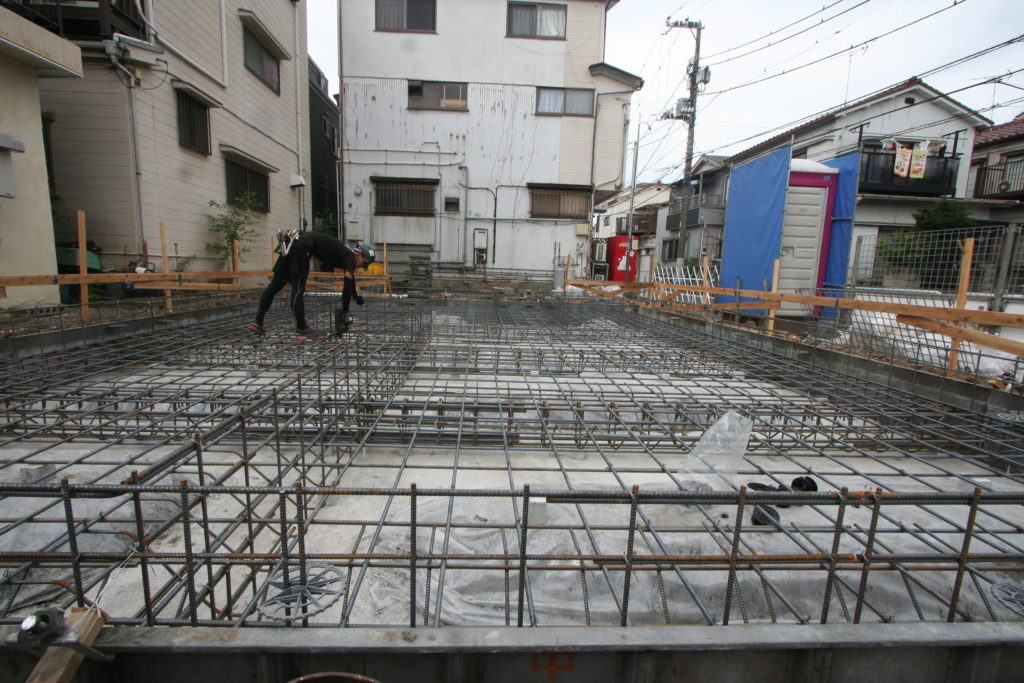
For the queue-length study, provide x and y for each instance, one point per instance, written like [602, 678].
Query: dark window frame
[379, 22]
[240, 179]
[431, 95]
[404, 196]
[670, 249]
[573, 202]
[563, 112]
[533, 35]
[254, 48]
[193, 123]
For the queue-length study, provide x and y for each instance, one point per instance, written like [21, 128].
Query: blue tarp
[842, 225]
[753, 223]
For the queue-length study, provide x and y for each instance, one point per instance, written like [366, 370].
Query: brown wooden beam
[59, 664]
[980, 338]
[934, 312]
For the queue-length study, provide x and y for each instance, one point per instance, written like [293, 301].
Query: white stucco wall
[485, 156]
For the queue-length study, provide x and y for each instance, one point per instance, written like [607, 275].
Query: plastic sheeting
[753, 223]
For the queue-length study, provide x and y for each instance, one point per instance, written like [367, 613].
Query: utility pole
[686, 108]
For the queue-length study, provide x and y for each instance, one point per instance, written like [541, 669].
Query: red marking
[551, 664]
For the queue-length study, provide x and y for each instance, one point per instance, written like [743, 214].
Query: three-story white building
[477, 132]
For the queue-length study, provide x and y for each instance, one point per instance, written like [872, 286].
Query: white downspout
[221, 81]
[298, 110]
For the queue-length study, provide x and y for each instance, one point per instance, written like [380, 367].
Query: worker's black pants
[293, 270]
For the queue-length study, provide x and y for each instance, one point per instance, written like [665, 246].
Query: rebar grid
[457, 462]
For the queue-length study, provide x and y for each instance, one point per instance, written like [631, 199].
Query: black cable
[779, 42]
[840, 52]
[837, 152]
[774, 31]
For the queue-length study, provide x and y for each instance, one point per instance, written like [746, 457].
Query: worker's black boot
[342, 322]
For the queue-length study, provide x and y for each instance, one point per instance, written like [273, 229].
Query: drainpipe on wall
[341, 136]
[222, 80]
[113, 51]
[298, 112]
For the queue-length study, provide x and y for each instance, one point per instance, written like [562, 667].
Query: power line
[840, 52]
[849, 148]
[794, 35]
[942, 67]
[932, 71]
[774, 31]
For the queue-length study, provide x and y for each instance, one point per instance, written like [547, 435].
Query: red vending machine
[617, 260]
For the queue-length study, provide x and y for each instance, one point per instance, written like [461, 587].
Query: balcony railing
[642, 224]
[710, 201]
[81, 19]
[1004, 180]
[876, 175]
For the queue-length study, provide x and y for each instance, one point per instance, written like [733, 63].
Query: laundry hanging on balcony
[919, 159]
[902, 165]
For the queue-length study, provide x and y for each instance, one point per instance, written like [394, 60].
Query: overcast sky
[749, 40]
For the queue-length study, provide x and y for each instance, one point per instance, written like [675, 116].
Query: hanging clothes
[919, 159]
[902, 165]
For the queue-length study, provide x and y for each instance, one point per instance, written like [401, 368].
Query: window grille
[404, 197]
[242, 179]
[547, 202]
[193, 123]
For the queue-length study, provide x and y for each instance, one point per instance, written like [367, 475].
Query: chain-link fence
[931, 260]
[926, 268]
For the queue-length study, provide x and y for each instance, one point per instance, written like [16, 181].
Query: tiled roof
[1004, 131]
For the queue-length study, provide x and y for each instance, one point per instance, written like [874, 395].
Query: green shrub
[234, 222]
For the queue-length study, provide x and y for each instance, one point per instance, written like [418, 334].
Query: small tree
[953, 224]
[233, 223]
[943, 215]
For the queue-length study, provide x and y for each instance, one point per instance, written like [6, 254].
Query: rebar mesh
[481, 462]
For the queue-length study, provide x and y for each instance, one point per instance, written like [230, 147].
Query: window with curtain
[565, 101]
[405, 15]
[536, 20]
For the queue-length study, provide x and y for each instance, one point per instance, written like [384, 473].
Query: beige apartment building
[183, 103]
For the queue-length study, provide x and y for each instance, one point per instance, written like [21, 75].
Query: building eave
[604, 69]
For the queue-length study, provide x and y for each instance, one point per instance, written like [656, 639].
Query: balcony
[1001, 181]
[81, 19]
[643, 224]
[702, 209]
[876, 175]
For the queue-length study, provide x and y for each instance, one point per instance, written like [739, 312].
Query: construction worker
[295, 248]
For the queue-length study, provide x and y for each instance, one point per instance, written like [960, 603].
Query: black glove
[359, 300]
